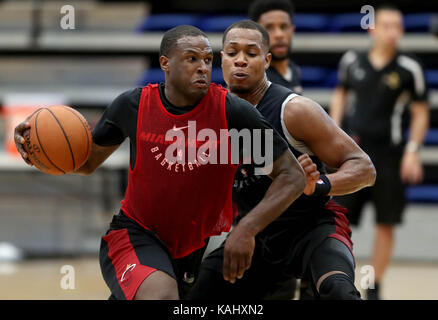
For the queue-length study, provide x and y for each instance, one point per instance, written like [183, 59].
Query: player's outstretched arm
[287, 185]
[97, 156]
[308, 122]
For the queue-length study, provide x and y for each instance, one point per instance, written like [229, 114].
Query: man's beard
[280, 58]
[239, 90]
[283, 57]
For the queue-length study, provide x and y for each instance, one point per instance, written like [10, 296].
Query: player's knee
[158, 286]
[338, 286]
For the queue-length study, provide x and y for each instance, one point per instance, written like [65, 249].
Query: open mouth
[201, 83]
[240, 75]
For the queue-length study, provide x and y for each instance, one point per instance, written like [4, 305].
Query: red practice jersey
[183, 203]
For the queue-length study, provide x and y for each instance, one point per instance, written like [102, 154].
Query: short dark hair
[248, 24]
[171, 37]
[259, 7]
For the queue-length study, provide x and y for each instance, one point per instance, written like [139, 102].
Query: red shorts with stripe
[129, 254]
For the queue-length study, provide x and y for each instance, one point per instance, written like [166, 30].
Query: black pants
[263, 280]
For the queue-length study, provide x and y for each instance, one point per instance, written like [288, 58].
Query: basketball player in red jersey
[155, 243]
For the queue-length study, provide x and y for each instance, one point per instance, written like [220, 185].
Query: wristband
[412, 146]
[322, 187]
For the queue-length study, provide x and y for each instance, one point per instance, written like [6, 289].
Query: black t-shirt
[119, 120]
[294, 78]
[250, 189]
[379, 97]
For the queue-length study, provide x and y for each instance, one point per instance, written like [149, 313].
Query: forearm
[337, 105]
[285, 188]
[98, 155]
[419, 124]
[353, 175]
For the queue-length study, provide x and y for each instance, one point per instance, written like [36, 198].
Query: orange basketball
[59, 140]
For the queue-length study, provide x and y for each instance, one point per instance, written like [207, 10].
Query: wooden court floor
[44, 280]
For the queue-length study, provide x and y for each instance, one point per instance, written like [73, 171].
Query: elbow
[370, 173]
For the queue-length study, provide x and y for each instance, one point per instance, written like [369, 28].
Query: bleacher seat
[417, 22]
[153, 75]
[218, 23]
[431, 137]
[164, 22]
[217, 77]
[422, 193]
[331, 79]
[346, 22]
[431, 78]
[309, 22]
[313, 76]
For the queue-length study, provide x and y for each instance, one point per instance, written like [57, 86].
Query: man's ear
[292, 30]
[164, 63]
[268, 59]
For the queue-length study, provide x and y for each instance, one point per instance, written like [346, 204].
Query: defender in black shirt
[377, 86]
[311, 239]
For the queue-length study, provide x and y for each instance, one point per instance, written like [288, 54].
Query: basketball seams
[39, 141]
[65, 135]
[83, 125]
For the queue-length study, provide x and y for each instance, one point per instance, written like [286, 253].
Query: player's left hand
[411, 170]
[312, 174]
[239, 248]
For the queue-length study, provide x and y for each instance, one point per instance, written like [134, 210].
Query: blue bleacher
[153, 75]
[304, 22]
[431, 78]
[217, 77]
[346, 22]
[311, 22]
[164, 22]
[417, 22]
[422, 193]
[218, 23]
[313, 76]
[431, 137]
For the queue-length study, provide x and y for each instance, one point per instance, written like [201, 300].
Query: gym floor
[43, 280]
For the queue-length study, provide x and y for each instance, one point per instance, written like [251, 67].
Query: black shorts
[129, 253]
[387, 195]
[282, 251]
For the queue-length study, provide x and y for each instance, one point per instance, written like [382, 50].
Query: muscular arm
[287, 185]
[308, 122]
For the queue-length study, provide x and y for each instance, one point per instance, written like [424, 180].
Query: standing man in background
[276, 16]
[382, 82]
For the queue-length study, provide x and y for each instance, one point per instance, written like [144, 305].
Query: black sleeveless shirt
[249, 189]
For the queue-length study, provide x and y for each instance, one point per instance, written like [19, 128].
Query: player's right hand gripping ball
[59, 140]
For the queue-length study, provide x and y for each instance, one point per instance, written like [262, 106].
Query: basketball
[58, 141]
